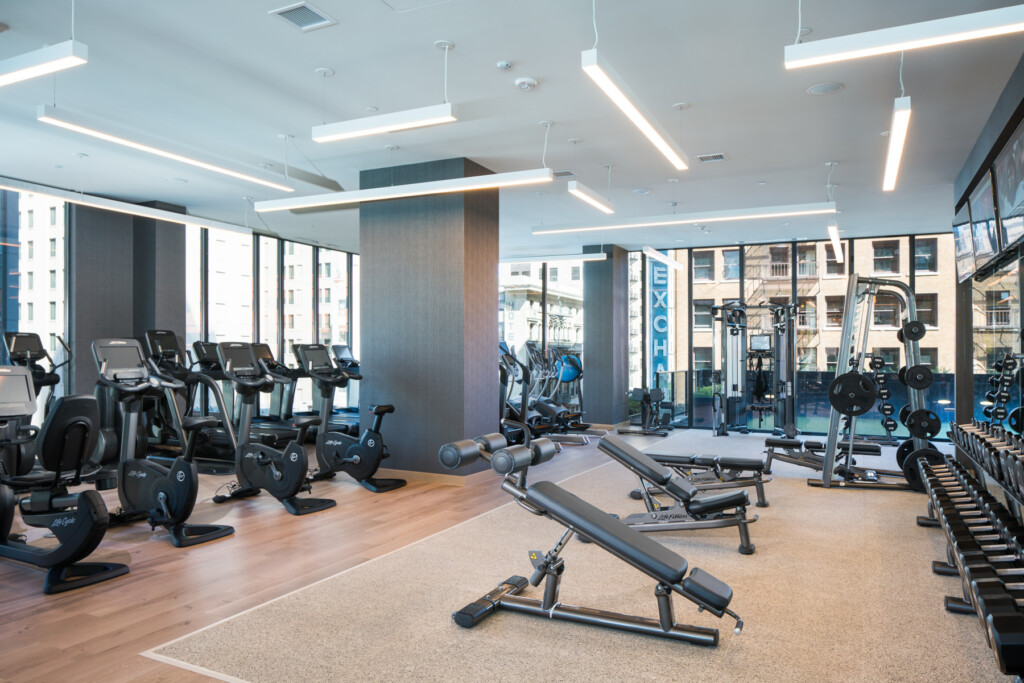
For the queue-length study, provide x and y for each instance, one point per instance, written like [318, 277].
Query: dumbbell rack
[853, 352]
[984, 547]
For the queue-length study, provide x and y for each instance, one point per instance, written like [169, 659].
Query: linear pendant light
[385, 123]
[595, 66]
[47, 60]
[376, 194]
[837, 245]
[77, 124]
[897, 138]
[760, 213]
[987, 24]
[599, 202]
[652, 253]
[599, 256]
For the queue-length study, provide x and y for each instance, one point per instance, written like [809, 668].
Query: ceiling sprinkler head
[504, 65]
[526, 83]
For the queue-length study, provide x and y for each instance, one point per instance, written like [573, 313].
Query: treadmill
[279, 417]
[347, 362]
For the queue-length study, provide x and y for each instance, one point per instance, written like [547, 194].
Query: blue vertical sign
[658, 311]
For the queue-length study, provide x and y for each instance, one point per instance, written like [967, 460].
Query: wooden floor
[97, 632]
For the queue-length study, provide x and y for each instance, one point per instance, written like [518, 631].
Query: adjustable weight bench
[715, 472]
[809, 453]
[544, 498]
[690, 511]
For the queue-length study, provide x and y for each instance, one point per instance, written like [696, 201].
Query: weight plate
[1003, 396]
[899, 335]
[903, 375]
[997, 366]
[991, 395]
[852, 394]
[1006, 381]
[999, 413]
[889, 424]
[905, 449]
[987, 411]
[994, 381]
[877, 363]
[912, 473]
[913, 330]
[884, 393]
[1010, 364]
[1016, 420]
[923, 423]
[904, 411]
[919, 377]
[789, 430]
[886, 409]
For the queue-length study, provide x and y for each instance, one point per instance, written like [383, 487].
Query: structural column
[606, 336]
[429, 313]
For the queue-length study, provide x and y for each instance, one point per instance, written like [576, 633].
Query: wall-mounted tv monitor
[983, 222]
[963, 244]
[1009, 172]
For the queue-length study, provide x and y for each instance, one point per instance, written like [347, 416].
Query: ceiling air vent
[708, 158]
[304, 16]
[565, 174]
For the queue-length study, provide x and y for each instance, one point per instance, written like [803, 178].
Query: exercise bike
[257, 466]
[336, 451]
[77, 520]
[163, 496]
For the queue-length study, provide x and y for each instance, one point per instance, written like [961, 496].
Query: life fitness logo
[115, 342]
[62, 521]
[294, 457]
[371, 443]
[180, 476]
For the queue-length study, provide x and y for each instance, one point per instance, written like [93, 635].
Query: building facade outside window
[731, 264]
[887, 256]
[832, 266]
[703, 266]
[926, 255]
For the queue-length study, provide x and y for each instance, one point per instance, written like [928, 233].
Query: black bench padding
[635, 459]
[729, 462]
[778, 442]
[609, 533]
[708, 589]
[718, 502]
[859, 447]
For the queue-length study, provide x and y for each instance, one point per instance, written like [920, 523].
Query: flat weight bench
[714, 472]
[690, 511]
[809, 453]
[592, 524]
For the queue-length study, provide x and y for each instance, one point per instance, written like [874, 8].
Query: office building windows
[832, 266]
[53, 215]
[31, 218]
[778, 263]
[31, 248]
[53, 279]
[31, 281]
[929, 356]
[886, 256]
[30, 311]
[927, 309]
[891, 356]
[831, 358]
[702, 358]
[807, 359]
[886, 312]
[806, 261]
[834, 306]
[53, 247]
[702, 313]
[731, 264]
[997, 308]
[703, 266]
[552, 274]
[229, 286]
[926, 255]
[806, 313]
[53, 310]
[268, 297]
[576, 272]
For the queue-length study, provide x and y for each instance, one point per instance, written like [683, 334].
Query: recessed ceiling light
[761, 183]
[825, 89]
[680, 106]
[641, 191]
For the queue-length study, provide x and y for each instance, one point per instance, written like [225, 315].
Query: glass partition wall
[809, 275]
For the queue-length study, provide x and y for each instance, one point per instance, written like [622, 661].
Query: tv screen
[963, 244]
[983, 223]
[1009, 172]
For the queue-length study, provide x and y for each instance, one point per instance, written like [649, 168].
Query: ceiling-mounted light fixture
[76, 123]
[837, 245]
[599, 202]
[394, 121]
[599, 256]
[376, 194]
[897, 138]
[595, 66]
[652, 253]
[44, 61]
[987, 24]
[760, 213]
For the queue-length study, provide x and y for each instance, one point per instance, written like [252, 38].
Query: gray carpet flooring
[840, 589]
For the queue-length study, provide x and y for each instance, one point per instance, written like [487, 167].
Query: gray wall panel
[605, 336]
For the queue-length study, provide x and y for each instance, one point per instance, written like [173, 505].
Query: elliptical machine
[147, 490]
[77, 520]
[26, 349]
[257, 466]
[336, 451]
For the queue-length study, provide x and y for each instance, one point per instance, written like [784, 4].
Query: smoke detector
[304, 16]
[504, 65]
[526, 83]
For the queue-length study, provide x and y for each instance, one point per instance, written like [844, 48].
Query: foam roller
[511, 460]
[458, 453]
[543, 450]
[491, 442]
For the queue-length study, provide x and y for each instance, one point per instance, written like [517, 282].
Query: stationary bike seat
[306, 421]
[382, 409]
[198, 422]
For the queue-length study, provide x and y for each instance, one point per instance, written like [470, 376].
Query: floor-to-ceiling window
[715, 276]
[520, 310]
[229, 286]
[996, 310]
[269, 296]
[298, 309]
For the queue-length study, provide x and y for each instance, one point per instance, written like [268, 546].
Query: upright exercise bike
[148, 490]
[336, 451]
[257, 466]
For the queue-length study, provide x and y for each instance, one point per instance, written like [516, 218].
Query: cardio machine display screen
[240, 358]
[121, 360]
[760, 342]
[317, 357]
[163, 342]
[262, 352]
[343, 352]
[15, 390]
[24, 345]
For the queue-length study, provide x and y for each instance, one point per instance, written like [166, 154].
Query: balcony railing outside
[807, 269]
[999, 317]
[778, 270]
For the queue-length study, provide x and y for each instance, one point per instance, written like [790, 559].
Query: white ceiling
[226, 78]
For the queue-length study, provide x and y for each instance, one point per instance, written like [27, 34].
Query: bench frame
[858, 477]
[719, 477]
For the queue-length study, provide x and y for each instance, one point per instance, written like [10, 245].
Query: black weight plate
[923, 423]
[912, 473]
[1016, 420]
[884, 393]
[899, 335]
[1006, 381]
[903, 375]
[889, 424]
[886, 409]
[999, 413]
[987, 411]
[997, 366]
[918, 377]
[877, 363]
[991, 395]
[904, 411]
[994, 381]
[905, 449]
[913, 330]
[852, 394]
[789, 430]
[1009, 364]
[1003, 397]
